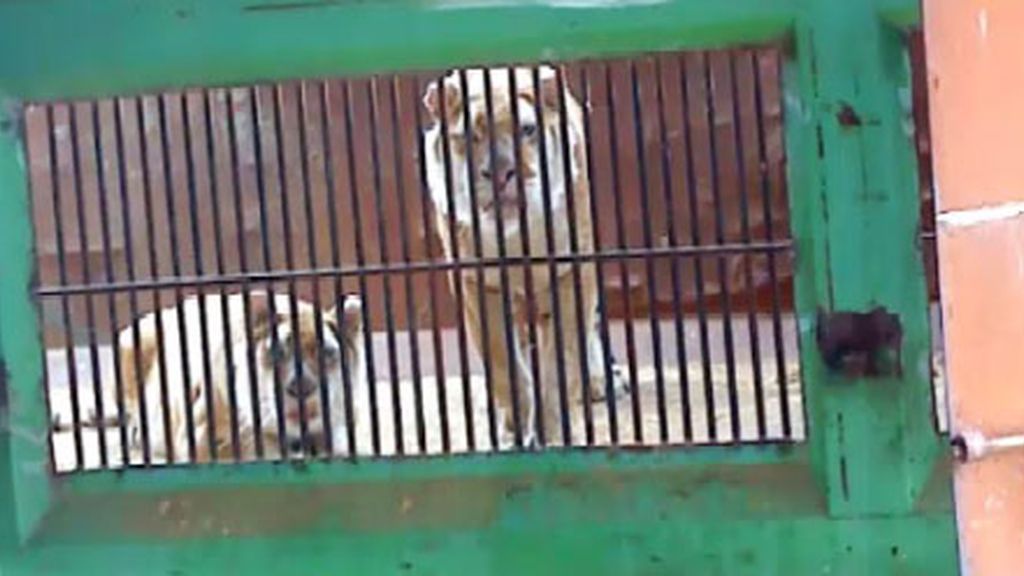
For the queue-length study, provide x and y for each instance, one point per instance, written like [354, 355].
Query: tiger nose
[504, 176]
[300, 388]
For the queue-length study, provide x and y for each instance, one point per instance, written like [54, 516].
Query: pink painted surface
[975, 52]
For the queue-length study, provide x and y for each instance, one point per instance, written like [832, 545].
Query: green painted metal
[869, 493]
[469, 493]
[66, 48]
[900, 13]
[24, 457]
[540, 542]
[855, 214]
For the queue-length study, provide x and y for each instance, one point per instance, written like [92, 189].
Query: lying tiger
[276, 336]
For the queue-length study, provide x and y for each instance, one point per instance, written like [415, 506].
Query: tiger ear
[549, 87]
[547, 76]
[443, 93]
[349, 321]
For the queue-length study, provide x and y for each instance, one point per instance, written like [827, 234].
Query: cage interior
[340, 268]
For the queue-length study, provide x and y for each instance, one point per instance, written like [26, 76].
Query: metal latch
[861, 344]
[971, 445]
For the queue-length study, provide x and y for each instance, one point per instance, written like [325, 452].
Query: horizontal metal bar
[404, 268]
[56, 49]
[451, 467]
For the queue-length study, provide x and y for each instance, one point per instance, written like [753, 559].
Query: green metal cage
[868, 493]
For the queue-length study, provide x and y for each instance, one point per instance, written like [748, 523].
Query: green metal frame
[869, 493]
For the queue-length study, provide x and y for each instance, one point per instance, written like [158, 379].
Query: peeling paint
[985, 214]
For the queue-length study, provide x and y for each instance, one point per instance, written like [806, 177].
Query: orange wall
[975, 54]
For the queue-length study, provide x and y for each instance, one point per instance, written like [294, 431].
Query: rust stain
[847, 116]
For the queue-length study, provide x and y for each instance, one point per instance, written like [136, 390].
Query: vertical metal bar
[108, 266]
[595, 218]
[289, 263]
[723, 277]
[403, 231]
[129, 258]
[372, 94]
[47, 376]
[508, 313]
[243, 261]
[748, 273]
[172, 228]
[582, 330]
[255, 109]
[147, 202]
[90, 312]
[620, 232]
[670, 227]
[62, 276]
[766, 208]
[440, 374]
[530, 294]
[228, 337]
[698, 269]
[556, 309]
[197, 258]
[318, 317]
[332, 223]
[453, 242]
[371, 379]
[652, 291]
[470, 136]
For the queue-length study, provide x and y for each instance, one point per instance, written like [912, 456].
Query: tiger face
[495, 147]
